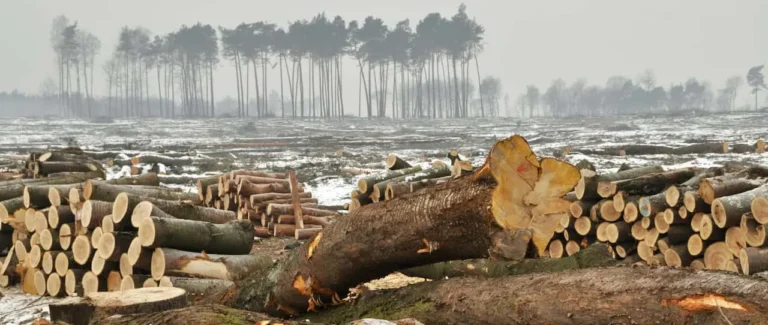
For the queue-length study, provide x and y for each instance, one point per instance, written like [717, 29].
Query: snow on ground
[310, 147]
[17, 308]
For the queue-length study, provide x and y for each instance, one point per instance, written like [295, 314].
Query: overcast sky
[527, 42]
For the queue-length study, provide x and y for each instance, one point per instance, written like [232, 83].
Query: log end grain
[81, 249]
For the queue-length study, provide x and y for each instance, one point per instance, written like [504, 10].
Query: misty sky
[527, 42]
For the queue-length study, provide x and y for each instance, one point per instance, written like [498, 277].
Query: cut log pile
[74, 233]
[274, 202]
[702, 218]
[401, 178]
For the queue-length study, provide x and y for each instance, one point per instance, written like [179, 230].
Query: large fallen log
[587, 187]
[633, 295]
[712, 188]
[647, 184]
[168, 261]
[13, 189]
[358, 248]
[727, 211]
[108, 192]
[365, 184]
[44, 168]
[95, 305]
[396, 163]
[126, 203]
[596, 255]
[229, 238]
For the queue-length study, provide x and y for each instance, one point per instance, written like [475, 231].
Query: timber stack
[66, 231]
[274, 203]
[709, 218]
[401, 178]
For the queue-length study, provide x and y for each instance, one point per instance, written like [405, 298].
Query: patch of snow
[18, 308]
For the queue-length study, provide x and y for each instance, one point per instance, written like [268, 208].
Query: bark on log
[694, 203]
[93, 212]
[753, 260]
[596, 255]
[60, 215]
[712, 188]
[365, 185]
[167, 261]
[651, 205]
[96, 305]
[44, 168]
[188, 235]
[640, 295]
[114, 244]
[465, 226]
[247, 188]
[181, 210]
[648, 184]
[258, 199]
[430, 173]
[206, 183]
[759, 208]
[287, 209]
[415, 186]
[581, 208]
[108, 192]
[727, 211]
[309, 220]
[395, 163]
[9, 206]
[754, 232]
[145, 210]
[233, 174]
[586, 189]
[159, 159]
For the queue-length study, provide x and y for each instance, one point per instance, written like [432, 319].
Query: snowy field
[312, 148]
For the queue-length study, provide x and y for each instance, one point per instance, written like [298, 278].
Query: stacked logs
[273, 202]
[702, 218]
[402, 178]
[69, 234]
[111, 236]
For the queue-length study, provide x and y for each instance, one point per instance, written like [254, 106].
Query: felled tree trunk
[628, 295]
[648, 184]
[727, 211]
[95, 305]
[396, 163]
[155, 159]
[448, 222]
[12, 189]
[586, 189]
[712, 188]
[168, 261]
[45, 168]
[197, 314]
[108, 192]
[195, 236]
[595, 255]
[126, 204]
[365, 184]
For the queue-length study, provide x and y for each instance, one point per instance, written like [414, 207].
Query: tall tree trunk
[213, 102]
[477, 66]
[248, 88]
[338, 80]
[264, 84]
[365, 88]
[239, 94]
[282, 101]
[87, 91]
[159, 88]
[301, 87]
[370, 86]
[256, 84]
[79, 92]
[456, 113]
[146, 88]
